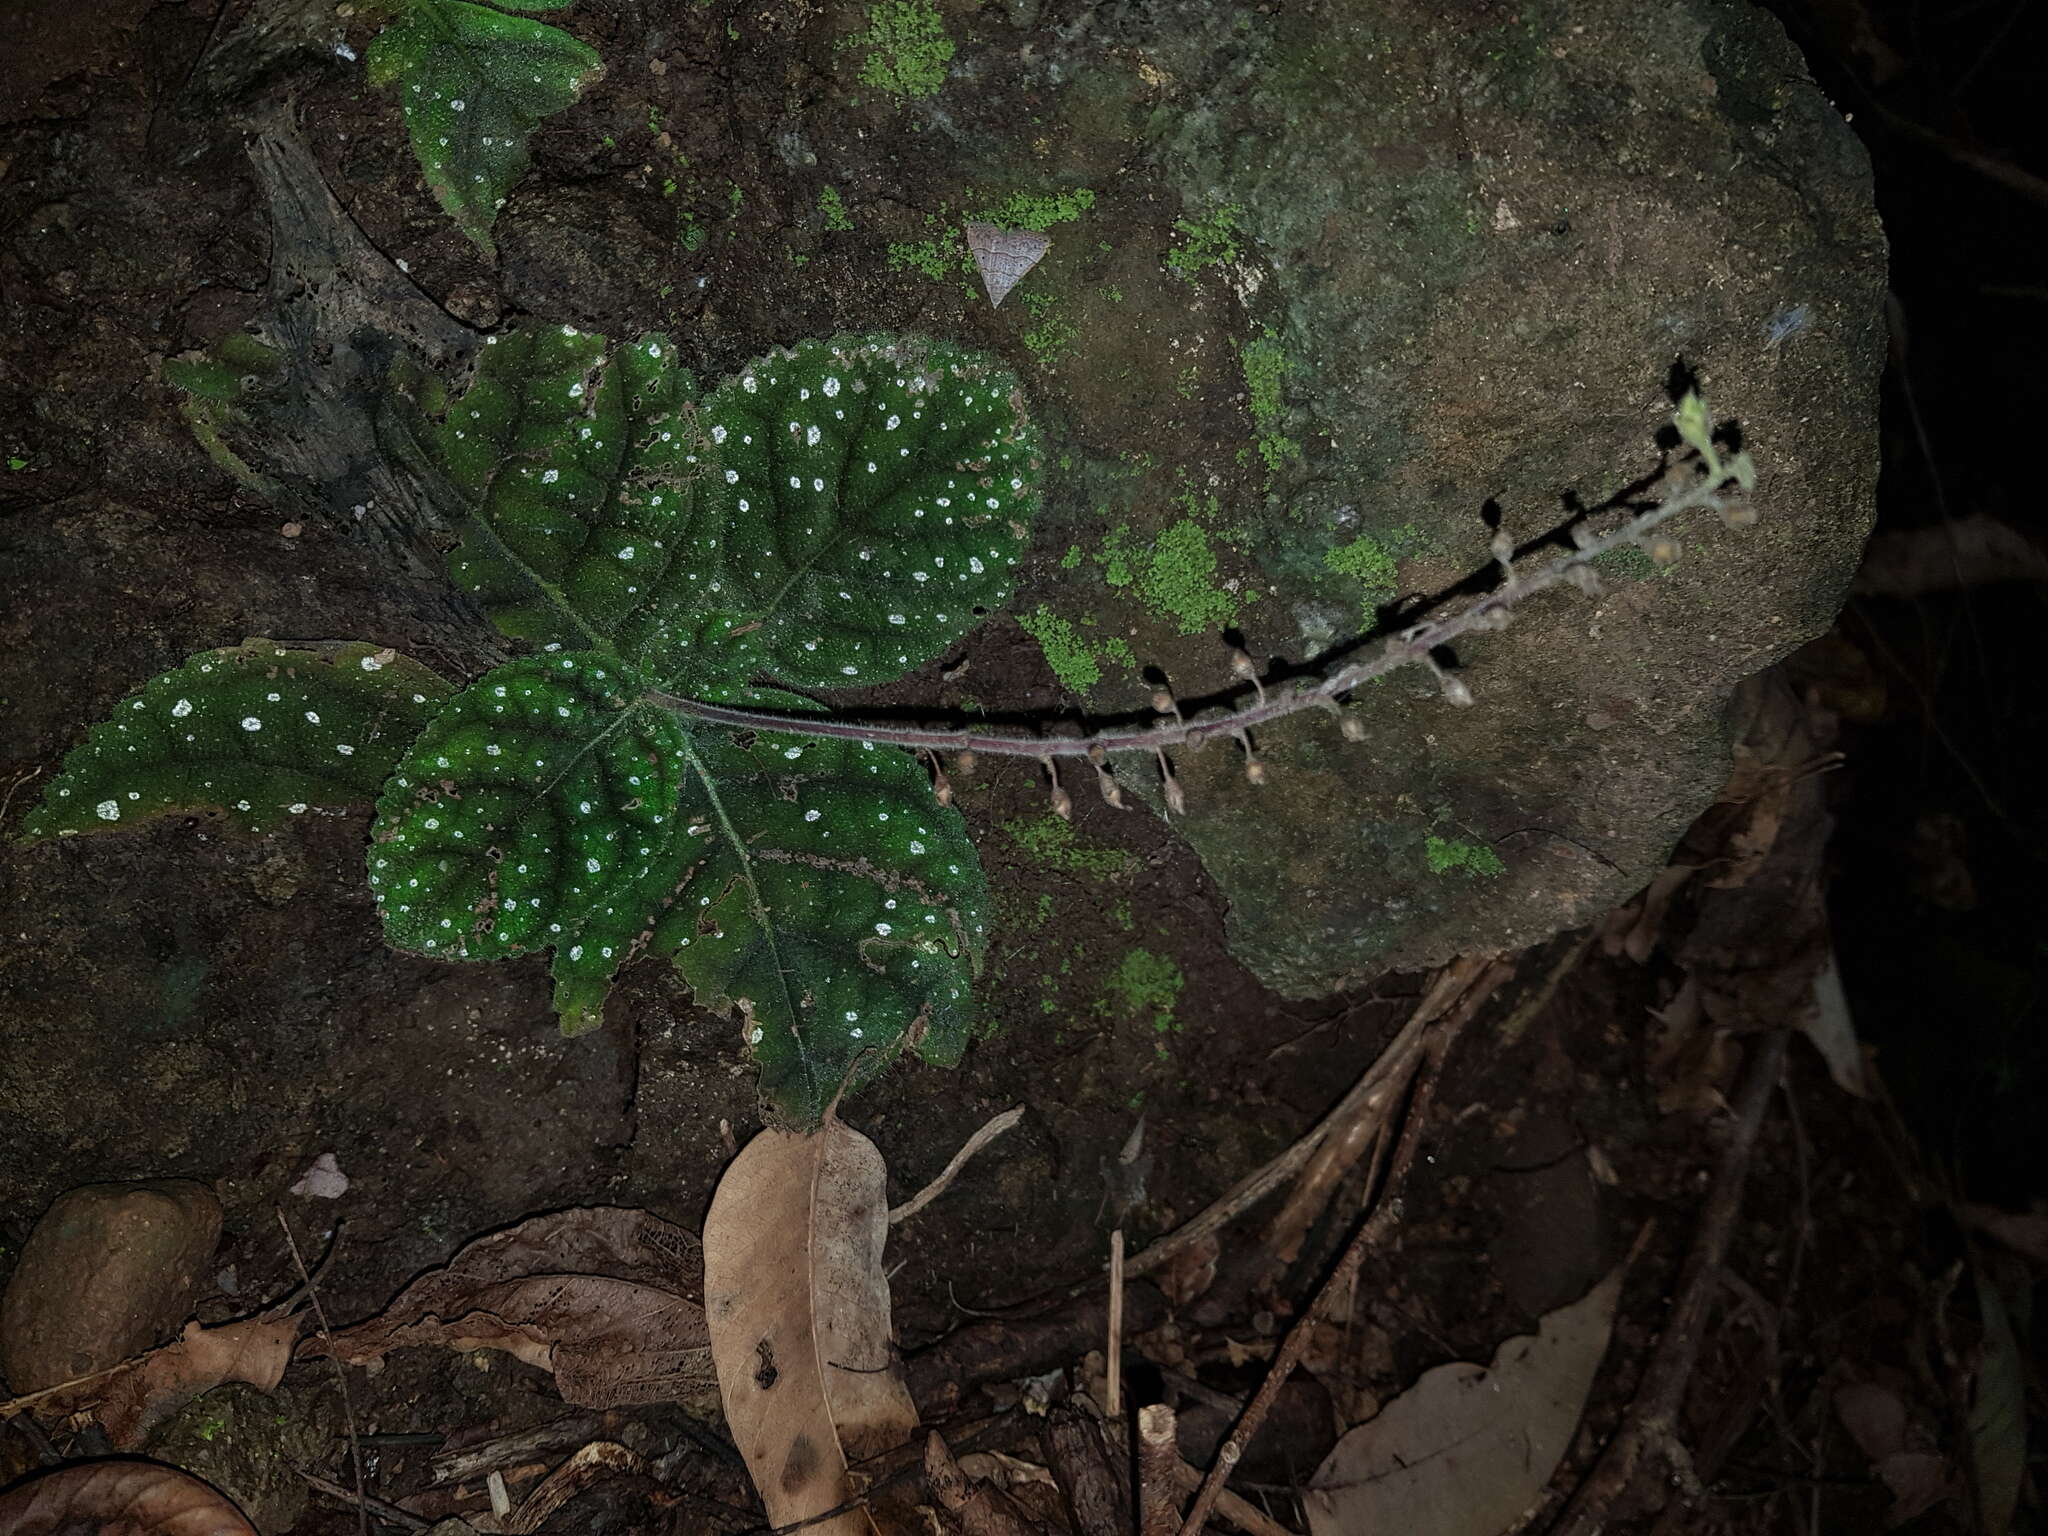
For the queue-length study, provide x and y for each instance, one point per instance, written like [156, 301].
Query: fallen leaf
[1998, 1412]
[1832, 1029]
[798, 1308]
[135, 1396]
[605, 1297]
[119, 1498]
[1468, 1449]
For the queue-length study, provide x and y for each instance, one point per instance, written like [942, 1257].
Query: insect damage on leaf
[262, 730]
[474, 81]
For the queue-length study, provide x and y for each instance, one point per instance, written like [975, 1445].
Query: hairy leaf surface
[474, 82]
[591, 523]
[838, 907]
[262, 730]
[538, 801]
[833, 515]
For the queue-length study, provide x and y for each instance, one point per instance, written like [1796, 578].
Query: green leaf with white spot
[262, 731]
[592, 526]
[474, 82]
[539, 796]
[833, 515]
[839, 909]
[814, 887]
[881, 492]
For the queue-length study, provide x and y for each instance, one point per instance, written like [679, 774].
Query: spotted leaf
[881, 490]
[474, 81]
[591, 525]
[833, 515]
[534, 804]
[813, 887]
[838, 910]
[262, 731]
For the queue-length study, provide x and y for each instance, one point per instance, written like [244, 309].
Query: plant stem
[1407, 648]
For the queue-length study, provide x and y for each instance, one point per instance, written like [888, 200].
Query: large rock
[1358, 274]
[109, 1271]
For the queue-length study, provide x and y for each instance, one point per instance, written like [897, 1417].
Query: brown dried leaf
[605, 1297]
[798, 1308]
[1468, 1449]
[134, 1397]
[119, 1498]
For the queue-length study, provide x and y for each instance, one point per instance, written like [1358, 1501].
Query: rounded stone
[109, 1271]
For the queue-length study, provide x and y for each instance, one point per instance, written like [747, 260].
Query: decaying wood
[1094, 1479]
[976, 1508]
[593, 1464]
[543, 1441]
[1158, 1456]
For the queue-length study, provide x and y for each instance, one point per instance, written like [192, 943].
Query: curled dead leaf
[119, 1498]
[605, 1297]
[132, 1398]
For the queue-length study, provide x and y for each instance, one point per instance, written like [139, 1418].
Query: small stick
[1653, 1415]
[348, 1412]
[951, 1171]
[1464, 979]
[1158, 1501]
[1377, 1223]
[1114, 1408]
[382, 1509]
[1245, 1516]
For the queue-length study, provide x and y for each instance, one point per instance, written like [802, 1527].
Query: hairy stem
[1407, 648]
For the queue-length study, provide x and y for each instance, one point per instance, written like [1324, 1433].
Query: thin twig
[951, 1171]
[1409, 647]
[1652, 1420]
[1455, 981]
[348, 1411]
[363, 1502]
[1114, 1363]
[1243, 1515]
[1379, 1220]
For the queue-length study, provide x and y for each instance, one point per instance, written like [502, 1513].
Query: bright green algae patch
[907, 48]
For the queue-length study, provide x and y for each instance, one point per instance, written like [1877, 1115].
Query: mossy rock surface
[1353, 278]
